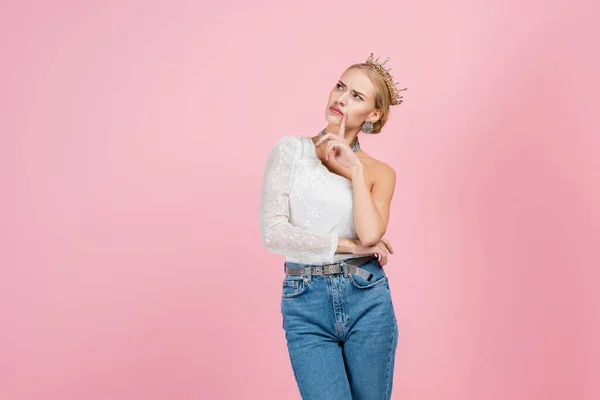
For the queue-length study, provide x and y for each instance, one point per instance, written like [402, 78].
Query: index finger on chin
[343, 125]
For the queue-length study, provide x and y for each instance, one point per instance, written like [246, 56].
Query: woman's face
[353, 94]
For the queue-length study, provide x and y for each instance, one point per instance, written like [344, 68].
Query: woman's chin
[334, 119]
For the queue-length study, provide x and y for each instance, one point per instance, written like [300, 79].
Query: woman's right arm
[278, 235]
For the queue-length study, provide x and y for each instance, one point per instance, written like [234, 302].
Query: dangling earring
[367, 127]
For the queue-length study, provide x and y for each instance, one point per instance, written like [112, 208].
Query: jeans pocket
[293, 286]
[379, 278]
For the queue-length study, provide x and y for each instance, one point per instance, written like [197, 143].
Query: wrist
[353, 246]
[358, 167]
[357, 170]
[346, 245]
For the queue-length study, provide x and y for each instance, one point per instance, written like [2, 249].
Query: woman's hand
[338, 149]
[381, 249]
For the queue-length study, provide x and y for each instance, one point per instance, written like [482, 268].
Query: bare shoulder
[377, 171]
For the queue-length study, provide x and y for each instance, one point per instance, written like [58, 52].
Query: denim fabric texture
[341, 333]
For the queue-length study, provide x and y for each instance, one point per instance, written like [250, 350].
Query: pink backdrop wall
[133, 140]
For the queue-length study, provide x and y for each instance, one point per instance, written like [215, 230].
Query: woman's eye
[339, 86]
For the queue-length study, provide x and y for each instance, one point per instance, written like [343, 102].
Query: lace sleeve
[278, 235]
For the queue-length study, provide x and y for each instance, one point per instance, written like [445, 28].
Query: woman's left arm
[372, 208]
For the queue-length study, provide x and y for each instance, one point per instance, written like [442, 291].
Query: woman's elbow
[371, 240]
[368, 242]
[269, 245]
[266, 241]
[269, 240]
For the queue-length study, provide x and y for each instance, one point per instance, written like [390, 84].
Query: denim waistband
[296, 264]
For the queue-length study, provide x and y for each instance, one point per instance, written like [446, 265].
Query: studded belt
[352, 266]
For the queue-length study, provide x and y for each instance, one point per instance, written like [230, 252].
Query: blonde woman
[325, 205]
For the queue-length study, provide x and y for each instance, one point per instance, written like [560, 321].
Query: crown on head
[387, 77]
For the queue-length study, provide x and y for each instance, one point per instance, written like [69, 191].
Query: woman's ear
[375, 116]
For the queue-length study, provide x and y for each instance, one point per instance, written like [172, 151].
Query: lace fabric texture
[304, 207]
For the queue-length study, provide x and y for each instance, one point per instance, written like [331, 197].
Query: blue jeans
[341, 333]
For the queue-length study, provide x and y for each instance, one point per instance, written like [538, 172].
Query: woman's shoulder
[372, 163]
[289, 145]
[289, 140]
[377, 169]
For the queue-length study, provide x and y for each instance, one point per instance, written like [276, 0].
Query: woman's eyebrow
[344, 85]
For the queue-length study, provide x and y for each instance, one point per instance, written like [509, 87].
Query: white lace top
[304, 207]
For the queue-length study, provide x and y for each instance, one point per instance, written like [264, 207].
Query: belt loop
[308, 270]
[345, 268]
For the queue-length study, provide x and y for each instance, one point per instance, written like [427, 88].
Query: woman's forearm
[345, 245]
[368, 222]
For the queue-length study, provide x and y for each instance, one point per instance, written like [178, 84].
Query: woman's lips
[333, 110]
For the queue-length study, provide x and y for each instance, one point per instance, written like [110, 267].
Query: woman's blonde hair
[382, 94]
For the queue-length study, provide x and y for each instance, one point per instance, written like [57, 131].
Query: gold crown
[387, 77]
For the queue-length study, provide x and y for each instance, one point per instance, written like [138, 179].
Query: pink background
[133, 141]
